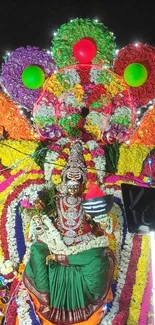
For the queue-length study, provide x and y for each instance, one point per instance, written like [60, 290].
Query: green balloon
[135, 74]
[33, 77]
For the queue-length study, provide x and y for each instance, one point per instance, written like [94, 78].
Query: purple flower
[13, 68]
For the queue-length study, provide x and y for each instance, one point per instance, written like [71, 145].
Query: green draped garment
[74, 291]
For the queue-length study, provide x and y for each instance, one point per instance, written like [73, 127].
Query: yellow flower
[141, 281]
[93, 130]
[78, 91]
[66, 150]
[116, 86]
[92, 170]
[17, 154]
[21, 268]
[131, 159]
[59, 164]
[56, 179]
[88, 157]
[54, 86]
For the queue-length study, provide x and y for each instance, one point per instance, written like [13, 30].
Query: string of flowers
[23, 307]
[141, 281]
[99, 159]
[146, 302]
[131, 159]
[15, 124]
[122, 272]
[145, 133]
[60, 163]
[8, 197]
[143, 54]
[90, 165]
[17, 155]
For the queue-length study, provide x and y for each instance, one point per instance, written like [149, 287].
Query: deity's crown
[75, 169]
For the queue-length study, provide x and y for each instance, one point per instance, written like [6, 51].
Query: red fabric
[93, 192]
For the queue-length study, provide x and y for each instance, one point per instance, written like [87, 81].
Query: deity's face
[73, 189]
[38, 224]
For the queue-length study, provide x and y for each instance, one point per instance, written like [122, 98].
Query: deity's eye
[33, 77]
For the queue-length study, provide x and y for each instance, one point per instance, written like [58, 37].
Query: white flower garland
[30, 193]
[50, 158]
[56, 245]
[23, 307]
[123, 267]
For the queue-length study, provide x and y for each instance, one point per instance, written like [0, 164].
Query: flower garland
[14, 66]
[131, 159]
[143, 54]
[122, 271]
[23, 307]
[98, 157]
[145, 133]
[7, 196]
[60, 163]
[18, 155]
[51, 157]
[53, 239]
[141, 281]
[101, 91]
[90, 165]
[70, 33]
[16, 125]
[146, 302]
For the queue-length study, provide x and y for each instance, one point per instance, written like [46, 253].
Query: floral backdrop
[118, 132]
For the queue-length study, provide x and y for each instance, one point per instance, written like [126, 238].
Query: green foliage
[112, 156]
[40, 154]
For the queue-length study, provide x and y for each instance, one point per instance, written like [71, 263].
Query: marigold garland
[59, 164]
[145, 133]
[18, 155]
[131, 159]
[16, 125]
[141, 280]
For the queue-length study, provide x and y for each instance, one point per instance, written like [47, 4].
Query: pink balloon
[84, 50]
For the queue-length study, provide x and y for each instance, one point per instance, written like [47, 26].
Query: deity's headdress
[75, 170]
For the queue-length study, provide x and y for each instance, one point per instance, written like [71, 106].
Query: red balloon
[84, 50]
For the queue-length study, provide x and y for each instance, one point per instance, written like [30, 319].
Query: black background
[33, 22]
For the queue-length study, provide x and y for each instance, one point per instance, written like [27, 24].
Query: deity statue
[70, 269]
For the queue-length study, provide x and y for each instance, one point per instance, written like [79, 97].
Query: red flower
[145, 55]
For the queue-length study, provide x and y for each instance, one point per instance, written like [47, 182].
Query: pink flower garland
[146, 302]
[128, 178]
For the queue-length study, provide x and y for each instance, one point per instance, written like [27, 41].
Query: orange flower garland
[13, 122]
[145, 134]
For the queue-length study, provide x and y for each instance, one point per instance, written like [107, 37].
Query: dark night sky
[33, 22]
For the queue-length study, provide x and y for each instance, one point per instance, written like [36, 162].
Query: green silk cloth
[71, 287]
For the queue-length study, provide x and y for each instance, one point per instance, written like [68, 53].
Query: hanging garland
[15, 125]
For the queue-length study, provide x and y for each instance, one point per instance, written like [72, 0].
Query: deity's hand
[88, 217]
[49, 258]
